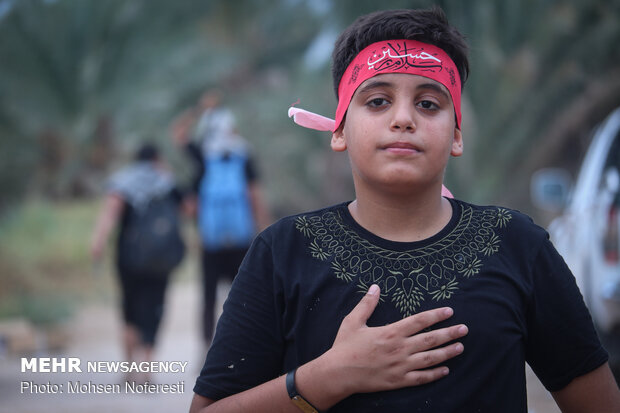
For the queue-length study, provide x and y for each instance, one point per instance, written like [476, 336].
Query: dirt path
[95, 333]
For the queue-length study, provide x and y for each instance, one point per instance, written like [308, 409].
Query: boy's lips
[401, 147]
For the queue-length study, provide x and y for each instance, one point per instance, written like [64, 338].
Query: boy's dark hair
[147, 152]
[425, 25]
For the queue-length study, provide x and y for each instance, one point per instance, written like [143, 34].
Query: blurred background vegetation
[83, 82]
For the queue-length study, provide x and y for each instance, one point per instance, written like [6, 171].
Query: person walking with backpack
[229, 203]
[143, 202]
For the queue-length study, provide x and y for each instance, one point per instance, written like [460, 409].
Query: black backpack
[150, 242]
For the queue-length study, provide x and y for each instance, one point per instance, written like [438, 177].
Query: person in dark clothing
[130, 192]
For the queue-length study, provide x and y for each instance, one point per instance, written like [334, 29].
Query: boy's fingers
[423, 360]
[419, 377]
[421, 364]
[364, 309]
[418, 322]
[435, 338]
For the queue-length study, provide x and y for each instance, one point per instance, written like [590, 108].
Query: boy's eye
[427, 104]
[377, 102]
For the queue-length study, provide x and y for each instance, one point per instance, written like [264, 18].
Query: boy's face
[399, 131]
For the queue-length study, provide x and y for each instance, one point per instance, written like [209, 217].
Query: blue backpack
[225, 217]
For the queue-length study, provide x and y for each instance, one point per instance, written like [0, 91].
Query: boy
[295, 336]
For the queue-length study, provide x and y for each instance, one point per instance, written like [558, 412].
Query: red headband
[399, 56]
[390, 56]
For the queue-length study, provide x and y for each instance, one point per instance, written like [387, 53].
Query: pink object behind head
[311, 120]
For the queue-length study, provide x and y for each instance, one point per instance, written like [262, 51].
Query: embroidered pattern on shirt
[406, 278]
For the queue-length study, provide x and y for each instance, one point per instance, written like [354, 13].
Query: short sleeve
[562, 343]
[247, 347]
[117, 184]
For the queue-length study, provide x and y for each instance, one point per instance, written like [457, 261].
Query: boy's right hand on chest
[397, 355]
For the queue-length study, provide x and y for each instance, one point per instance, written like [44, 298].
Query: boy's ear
[457, 143]
[338, 142]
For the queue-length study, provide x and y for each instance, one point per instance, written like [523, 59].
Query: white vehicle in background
[587, 231]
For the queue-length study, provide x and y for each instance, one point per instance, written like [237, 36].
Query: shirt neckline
[400, 245]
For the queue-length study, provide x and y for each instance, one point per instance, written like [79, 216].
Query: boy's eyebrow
[374, 84]
[435, 87]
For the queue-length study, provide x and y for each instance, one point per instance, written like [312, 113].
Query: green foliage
[45, 268]
[40, 309]
[43, 233]
[82, 82]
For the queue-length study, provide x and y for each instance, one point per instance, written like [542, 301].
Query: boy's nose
[402, 119]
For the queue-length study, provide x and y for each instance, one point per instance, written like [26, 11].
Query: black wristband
[297, 398]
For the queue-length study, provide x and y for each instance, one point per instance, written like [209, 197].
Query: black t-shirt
[493, 266]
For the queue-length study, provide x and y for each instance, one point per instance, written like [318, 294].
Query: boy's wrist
[297, 399]
[320, 383]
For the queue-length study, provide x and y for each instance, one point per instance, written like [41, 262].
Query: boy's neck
[402, 219]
